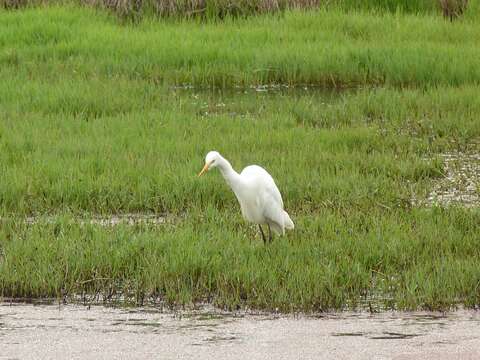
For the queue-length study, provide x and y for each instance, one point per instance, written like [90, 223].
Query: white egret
[260, 200]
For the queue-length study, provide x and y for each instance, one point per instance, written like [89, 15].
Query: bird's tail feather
[288, 222]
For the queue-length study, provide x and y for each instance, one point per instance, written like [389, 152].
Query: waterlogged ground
[460, 184]
[75, 331]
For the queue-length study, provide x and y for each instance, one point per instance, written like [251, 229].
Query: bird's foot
[263, 235]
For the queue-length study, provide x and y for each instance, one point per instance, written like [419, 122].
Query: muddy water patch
[75, 331]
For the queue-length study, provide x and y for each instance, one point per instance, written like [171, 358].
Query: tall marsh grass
[326, 48]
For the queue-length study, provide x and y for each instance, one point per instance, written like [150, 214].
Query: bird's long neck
[231, 176]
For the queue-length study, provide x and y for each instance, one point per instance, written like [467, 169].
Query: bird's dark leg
[263, 235]
[269, 233]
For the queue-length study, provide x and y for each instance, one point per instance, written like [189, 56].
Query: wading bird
[259, 197]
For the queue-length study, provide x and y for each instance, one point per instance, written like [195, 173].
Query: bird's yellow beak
[205, 169]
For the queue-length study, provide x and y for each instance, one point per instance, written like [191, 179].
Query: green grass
[328, 48]
[90, 123]
[89, 151]
[392, 259]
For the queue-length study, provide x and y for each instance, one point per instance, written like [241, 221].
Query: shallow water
[74, 331]
[106, 220]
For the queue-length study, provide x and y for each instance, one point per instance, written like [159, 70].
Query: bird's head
[211, 160]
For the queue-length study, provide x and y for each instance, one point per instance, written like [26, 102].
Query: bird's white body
[260, 200]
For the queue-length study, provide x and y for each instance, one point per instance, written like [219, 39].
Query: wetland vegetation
[351, 111]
